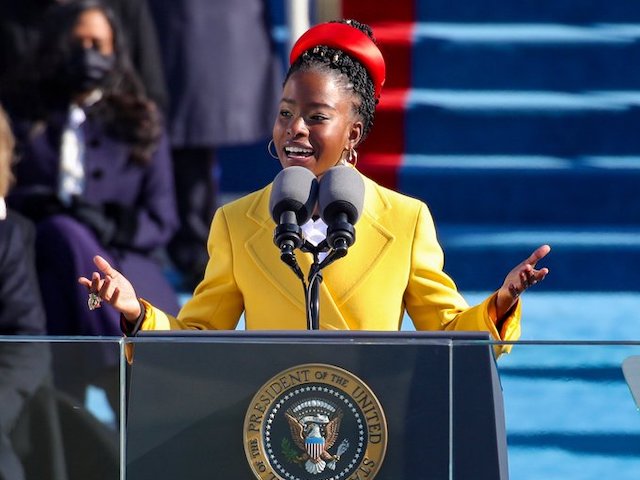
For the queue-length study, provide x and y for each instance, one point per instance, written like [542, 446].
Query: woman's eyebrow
[311, 104]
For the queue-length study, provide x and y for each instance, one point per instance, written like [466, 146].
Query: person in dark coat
[23, 366]
[21, 311]
[224, 79]
[94, 173]
[20, 23]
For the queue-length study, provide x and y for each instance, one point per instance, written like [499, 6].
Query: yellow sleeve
[432, 298]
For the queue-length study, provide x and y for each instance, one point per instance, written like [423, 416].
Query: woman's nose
[297, 127]
[86, 43]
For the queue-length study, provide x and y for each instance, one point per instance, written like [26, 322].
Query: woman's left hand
[519, 279]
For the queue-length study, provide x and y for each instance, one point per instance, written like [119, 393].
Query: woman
[327, 108]
[94, 171]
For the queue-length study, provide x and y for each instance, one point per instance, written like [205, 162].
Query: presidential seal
[315, 422]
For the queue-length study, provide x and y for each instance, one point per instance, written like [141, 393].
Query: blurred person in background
[21, 310]
[20, 23]
[23, 366]
[94, 172]
[224, 80]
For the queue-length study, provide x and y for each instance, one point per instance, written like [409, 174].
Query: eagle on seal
[308, 438]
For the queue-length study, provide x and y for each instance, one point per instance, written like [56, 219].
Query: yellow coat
[395, 264]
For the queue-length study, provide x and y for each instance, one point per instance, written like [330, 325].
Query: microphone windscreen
[295, 189]
[341, 192]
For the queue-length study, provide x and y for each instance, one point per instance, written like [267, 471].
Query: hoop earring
[344, 157]
[353, 156]
[269, 150]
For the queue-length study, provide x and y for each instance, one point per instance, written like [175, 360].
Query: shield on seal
[314, 443]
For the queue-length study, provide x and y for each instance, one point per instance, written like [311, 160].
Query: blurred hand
[523, 276]
[113, 288]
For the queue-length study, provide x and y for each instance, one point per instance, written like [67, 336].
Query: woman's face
[93, 31]
[316, 122]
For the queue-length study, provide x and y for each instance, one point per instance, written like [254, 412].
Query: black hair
[359, 81]
[39, 88]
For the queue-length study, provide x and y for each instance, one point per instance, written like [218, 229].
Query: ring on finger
[94, 301]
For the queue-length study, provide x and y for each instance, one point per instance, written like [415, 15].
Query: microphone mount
[341, 234]
[288, 237]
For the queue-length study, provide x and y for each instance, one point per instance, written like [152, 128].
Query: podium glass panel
[59, 404]
[559, 409]
[248, 405]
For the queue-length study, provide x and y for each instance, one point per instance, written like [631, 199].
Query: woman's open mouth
[298, 153]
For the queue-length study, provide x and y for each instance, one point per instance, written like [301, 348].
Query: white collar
[314, 231]
[3, 209]
[77, 116]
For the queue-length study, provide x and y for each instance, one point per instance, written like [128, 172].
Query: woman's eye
[285, 113]
[318, 118]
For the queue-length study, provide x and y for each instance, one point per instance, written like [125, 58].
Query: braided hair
[352, 75]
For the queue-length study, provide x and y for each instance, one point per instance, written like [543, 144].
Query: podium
[314, 405]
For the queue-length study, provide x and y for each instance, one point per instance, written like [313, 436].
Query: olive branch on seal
[290, 453]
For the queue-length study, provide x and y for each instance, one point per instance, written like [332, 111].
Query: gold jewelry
[349, 156]
[353, 156]
[93, 301]
[269, 149]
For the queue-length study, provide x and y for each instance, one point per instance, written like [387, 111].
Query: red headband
[348, 39]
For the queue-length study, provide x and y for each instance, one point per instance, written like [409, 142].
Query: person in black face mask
[90, 58]
[95, 174]
[87, 68]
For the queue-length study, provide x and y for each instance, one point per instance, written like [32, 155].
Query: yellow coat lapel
[373, 240]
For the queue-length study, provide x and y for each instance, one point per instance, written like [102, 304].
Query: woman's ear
[355, 134]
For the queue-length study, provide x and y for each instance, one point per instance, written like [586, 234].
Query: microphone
[341, 199]
[293, 197]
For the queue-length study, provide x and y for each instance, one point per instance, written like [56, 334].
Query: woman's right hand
[114, 289]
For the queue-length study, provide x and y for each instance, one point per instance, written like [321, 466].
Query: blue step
[575, 316]
[524, 123]
[588, 259]
[525, 57]
[563, 11]
[519, 189]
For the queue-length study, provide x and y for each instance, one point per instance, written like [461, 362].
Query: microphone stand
[312, 293]
[287, 237]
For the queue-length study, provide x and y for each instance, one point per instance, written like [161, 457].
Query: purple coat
[65, 245]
